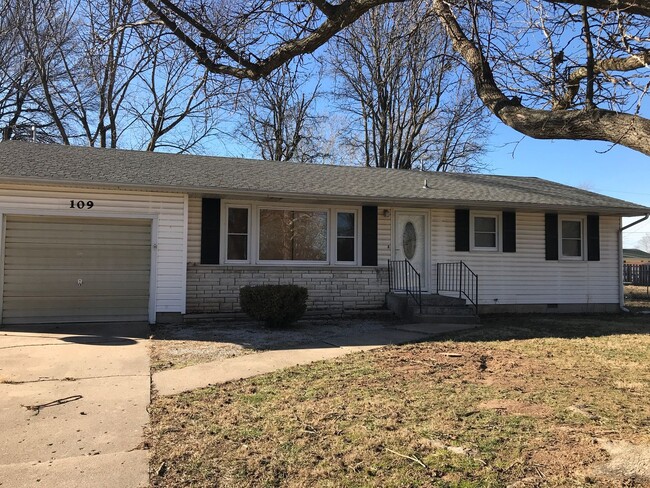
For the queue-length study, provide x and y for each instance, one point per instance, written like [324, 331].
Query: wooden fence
[636, 274]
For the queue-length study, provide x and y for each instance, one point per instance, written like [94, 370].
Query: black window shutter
[462, 229]
[509, 222]
[210, 227]
[593, 238]
[551, 236]
[369, 235]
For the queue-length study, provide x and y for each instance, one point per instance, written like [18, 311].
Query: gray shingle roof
[44, 163]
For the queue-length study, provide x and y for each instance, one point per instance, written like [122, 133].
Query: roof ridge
[28, 162]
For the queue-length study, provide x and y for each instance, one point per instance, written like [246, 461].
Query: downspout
[621, 295]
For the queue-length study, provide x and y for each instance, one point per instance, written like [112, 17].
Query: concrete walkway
[173, 381]
[73, 405]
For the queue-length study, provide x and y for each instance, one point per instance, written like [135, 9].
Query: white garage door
[61, 269]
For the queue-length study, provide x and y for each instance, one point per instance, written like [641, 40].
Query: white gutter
[621, 297]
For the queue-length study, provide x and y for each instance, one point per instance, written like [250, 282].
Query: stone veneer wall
[216, 288]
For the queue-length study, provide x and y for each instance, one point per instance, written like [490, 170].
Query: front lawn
[522, 401]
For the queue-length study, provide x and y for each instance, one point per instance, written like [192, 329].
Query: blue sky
[615, 171]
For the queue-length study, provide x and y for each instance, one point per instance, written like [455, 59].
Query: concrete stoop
[436, 309]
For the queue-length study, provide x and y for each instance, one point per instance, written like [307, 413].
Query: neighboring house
[635, 256]
[100, 234]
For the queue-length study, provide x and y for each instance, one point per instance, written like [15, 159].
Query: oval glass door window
[409, 240]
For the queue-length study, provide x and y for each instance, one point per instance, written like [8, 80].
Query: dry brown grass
[637, 298]
[530, 400]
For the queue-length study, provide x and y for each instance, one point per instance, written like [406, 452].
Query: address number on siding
[81, 204]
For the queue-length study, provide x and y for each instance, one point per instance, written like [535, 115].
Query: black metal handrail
[458, 277]
[402, 276]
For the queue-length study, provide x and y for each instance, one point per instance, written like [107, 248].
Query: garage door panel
[45, 257]
[109, 315]
[79, 236]
[32, 257]
[20, 284]
[77, 305]
[70, 225]
[75, 247]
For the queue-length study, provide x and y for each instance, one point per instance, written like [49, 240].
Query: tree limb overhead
[555, 79]
[637, 7]
[595, 124]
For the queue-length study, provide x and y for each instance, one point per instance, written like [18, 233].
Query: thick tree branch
[586, 28]
[340, 17]
[327, 8]
[637, 7]
[593, 124]
[201, 54]
[596, 124]
[603, 66]
[208, 34]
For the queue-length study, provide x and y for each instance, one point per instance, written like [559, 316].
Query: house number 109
[81, 204]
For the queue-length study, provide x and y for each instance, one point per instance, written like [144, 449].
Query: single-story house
[101, 234]
[635, 256]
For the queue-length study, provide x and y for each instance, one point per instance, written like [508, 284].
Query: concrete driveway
[73, 405]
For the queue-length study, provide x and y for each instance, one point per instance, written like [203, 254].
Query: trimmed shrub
[276, 305]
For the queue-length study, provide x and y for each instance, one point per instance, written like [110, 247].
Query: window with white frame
[571, 238]
[293, 235]
[485, 231]
[345, 237]
[237, 234]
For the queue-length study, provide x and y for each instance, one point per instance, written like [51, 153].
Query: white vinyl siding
[525, 277]
[522, 277]
[384, 235]
[194, 230]
[167, 211]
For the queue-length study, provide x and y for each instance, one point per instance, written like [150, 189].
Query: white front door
[411, 242]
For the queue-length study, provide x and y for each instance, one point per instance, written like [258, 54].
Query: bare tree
[644, 243]
[36, 34]
[77, 64]
[399, 80]
[460, 131]
[279, 118]
[108, 60]
[178, 101]
[16, 79]
[593, 99]
[100, 73]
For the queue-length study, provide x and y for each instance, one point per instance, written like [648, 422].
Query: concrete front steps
[436, 309]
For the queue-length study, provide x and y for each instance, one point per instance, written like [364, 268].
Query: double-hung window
[571, 238]
[346, 237]
[485, 231]
[238, 231]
